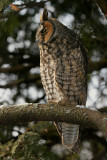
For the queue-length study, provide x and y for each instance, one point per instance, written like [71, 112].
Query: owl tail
[69, 134]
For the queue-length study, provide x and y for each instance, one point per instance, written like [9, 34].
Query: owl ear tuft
[44, 16]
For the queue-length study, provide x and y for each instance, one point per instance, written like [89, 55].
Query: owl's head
[46, 31]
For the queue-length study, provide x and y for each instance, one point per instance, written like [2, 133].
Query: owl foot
[80, 106]
[52, 102]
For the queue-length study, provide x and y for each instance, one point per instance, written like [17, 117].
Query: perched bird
[63, 68]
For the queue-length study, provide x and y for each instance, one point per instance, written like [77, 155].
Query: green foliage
[12, 24]
[5, 149]
[29, 145]
[4, 3]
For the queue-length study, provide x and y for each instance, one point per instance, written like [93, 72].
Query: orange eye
[44, 30]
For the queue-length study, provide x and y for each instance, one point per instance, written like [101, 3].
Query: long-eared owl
[63, 67]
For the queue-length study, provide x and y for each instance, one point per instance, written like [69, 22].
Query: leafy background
[20, 76]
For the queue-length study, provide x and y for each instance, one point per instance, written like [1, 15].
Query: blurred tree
[20, 77]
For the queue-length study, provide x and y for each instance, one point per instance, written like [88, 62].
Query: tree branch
[103, 5]
[17, 68]
[13, 115]
[96, 66]
[29, 78]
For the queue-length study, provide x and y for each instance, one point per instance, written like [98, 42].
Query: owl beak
[38, 41]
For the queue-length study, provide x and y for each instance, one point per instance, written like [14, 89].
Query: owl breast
[63, 73]
[47, 71]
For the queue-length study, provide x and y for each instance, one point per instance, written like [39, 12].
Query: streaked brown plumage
[63, 67]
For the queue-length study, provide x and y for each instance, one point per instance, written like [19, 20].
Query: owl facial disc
[45, 30]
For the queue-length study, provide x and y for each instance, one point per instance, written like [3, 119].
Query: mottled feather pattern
[70, 139]
[63, 68]
[62, 73]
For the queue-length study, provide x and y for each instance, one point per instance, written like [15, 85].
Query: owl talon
[51, 102]
[80, 106]
[56, 103]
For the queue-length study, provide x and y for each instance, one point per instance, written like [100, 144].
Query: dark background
[20, 76]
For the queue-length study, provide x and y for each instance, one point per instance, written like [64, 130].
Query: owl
[63, 68]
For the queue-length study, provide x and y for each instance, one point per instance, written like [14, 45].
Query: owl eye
[44, 30]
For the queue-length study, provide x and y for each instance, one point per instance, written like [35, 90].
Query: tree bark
[13, 115]
[97, 66]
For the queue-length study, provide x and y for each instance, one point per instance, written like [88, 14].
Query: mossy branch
[13, 115]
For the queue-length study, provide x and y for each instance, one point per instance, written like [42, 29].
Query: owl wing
[70, 78]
